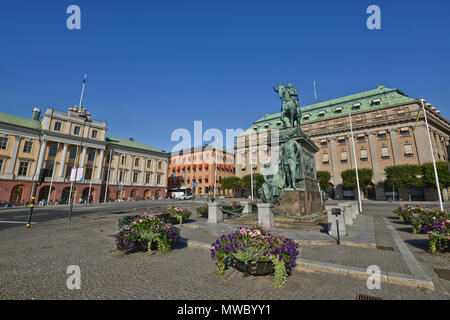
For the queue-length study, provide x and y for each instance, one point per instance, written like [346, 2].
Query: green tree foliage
[231, 183]
[324, 178]
[404, 176]
[429, 178]
[349, 178]
[246, 181]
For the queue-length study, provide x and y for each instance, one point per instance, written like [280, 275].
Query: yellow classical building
[71, 145]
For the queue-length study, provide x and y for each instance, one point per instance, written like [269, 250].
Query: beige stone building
[383, 123]
[109, 167]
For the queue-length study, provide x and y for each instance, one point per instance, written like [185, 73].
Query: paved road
[16, 216]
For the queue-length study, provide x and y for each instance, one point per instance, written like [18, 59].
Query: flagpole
[215, 171]
[356, 163]
[251, 162]
[432, 156]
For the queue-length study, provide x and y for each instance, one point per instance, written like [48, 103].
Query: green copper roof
[19, 121]
[130, 144]
[328, 108]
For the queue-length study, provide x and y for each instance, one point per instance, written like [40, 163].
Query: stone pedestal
[302, 202]
[332, 221]
[265, 215]
[247, 207]
[215, 214]
[347, 212]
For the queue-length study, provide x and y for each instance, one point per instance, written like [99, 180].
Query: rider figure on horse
[290, 107]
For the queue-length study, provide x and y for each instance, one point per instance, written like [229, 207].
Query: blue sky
[155, 66]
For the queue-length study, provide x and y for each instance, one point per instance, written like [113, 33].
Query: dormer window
[376, 101]
[255, 128]
[357, 106]
[306, 117]
[338, 110]
[321, 113]
[266, 125]
[278, 123]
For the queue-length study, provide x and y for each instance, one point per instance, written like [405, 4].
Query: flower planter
[143, 245]
[260, 268]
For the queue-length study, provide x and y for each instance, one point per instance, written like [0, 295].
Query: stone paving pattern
[34, 261]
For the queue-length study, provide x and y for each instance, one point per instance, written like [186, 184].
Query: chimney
[132, 139]
[36, 114]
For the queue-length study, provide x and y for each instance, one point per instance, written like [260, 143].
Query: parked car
[186, 197]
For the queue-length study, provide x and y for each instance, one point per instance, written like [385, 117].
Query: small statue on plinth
[272, 189]
[290, 107]
[291, 161]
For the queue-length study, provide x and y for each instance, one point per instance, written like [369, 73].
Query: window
[325, 158]
[76, 130]
[136, 162]
[305, 117]
[57, 126]
[408, 150]
[23, 168]
[341, 140]
[159, 165]
[135, 177]
[382, 135]
[91, 155]
[72, 153]
[52, 150]
[27, 146]
[405, 132]
[321, 114]
[356, 106]
[1, 165]
[344, 158]
[149, 164]
[88, 173]
[94, 134]
[363, 155]
[385, 153]
[158, 179]
[147, 178]
[376, 101]
[3, 143]
[323, 143]
[361, 138]
[123, 160]
[338, 110]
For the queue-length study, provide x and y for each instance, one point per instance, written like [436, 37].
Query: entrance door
[17, 194]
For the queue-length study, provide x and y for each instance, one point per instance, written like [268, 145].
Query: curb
[310, 266]
[367, 245]
[354, 272]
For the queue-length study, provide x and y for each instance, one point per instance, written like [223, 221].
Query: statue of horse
[290, 107]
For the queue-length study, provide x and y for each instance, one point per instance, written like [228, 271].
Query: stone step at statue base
[319, 224]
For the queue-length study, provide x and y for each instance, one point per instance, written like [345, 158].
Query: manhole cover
[385, 248]
[443, 273]
[362, 296]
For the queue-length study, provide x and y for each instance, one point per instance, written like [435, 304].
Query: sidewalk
[369, 242]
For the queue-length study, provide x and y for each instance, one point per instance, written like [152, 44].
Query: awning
[178, 168]
[200, 166]
[173, 168]
[182, 167]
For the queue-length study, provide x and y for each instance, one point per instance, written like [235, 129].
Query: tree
[365, 179]
[232, 183]
[429, 178]
[404, 176]
[257, 178]
[324, 178]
